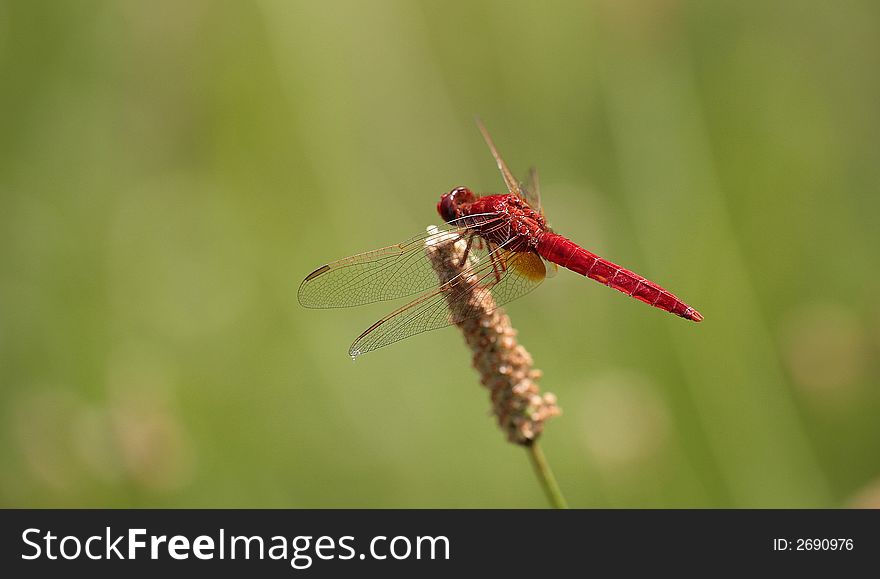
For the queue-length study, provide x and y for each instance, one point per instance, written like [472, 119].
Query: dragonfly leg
[467, 248]
[498, 265]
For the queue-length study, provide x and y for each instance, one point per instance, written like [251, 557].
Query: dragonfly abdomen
[562, 251]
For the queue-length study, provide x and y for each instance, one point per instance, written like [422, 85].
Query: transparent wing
[551, 268]
[506, 275]
[512, 184]
[387, 273]
[528, 190]
[531, 191]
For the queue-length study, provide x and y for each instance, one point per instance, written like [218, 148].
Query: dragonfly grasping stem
[504, 365]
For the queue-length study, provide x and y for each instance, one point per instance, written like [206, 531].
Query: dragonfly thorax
[515, 225]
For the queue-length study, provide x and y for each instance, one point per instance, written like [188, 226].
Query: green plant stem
[546, 478]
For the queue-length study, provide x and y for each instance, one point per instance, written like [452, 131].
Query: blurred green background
[170, 171]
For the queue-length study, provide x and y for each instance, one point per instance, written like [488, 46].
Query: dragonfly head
[448, 205]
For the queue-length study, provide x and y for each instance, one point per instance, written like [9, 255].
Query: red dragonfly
[509, 245]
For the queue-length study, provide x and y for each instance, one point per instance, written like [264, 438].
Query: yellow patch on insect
[529, 265]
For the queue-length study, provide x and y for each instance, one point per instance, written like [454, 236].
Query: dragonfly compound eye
[449, 202]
